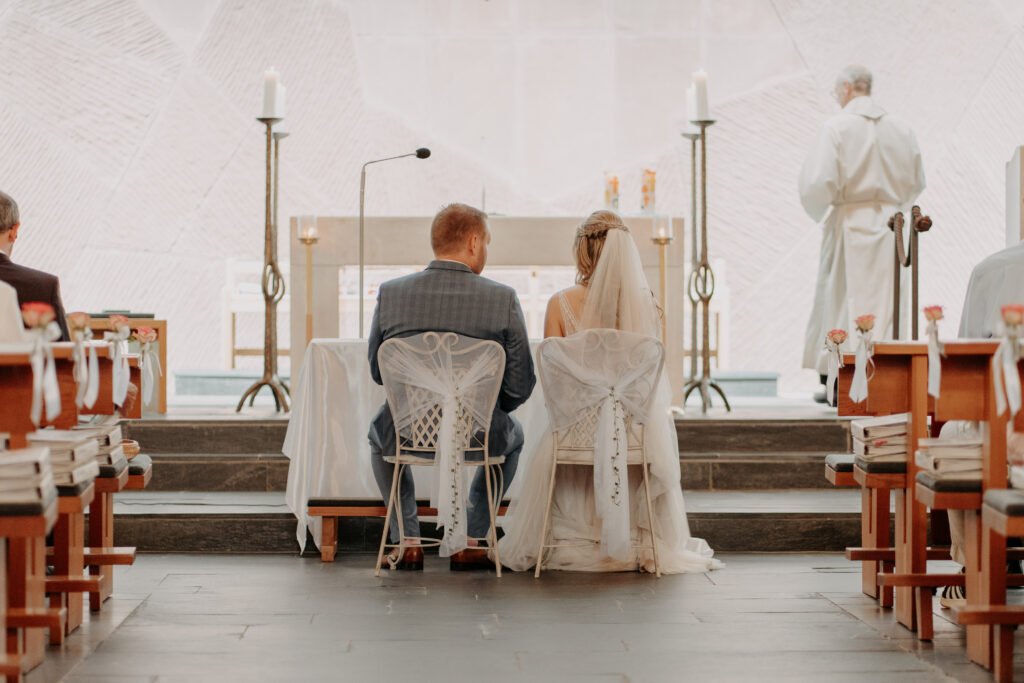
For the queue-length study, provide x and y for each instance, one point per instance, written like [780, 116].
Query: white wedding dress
[618, 298]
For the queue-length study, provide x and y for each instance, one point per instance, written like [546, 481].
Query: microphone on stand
[421, 153]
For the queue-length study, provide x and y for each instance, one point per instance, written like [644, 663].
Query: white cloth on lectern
[11, 327]
[996, 281]
[864, 166]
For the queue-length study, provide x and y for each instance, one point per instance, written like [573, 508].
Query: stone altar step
[745, 431]
[701, 471]
[751, 521]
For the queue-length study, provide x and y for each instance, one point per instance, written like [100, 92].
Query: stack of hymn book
[108, 437]
[950, 459]
[880, 439]
[26, 481]
[72, 455]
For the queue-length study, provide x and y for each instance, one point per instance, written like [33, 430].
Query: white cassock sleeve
[819, 177]
[919, 181]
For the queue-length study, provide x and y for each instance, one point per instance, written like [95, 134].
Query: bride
[611, 292]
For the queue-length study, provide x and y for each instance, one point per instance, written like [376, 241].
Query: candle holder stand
[662, 242]
[702, 288]
[272, 281]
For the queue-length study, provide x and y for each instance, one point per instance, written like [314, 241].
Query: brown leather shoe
[412, 559]
[471, 559]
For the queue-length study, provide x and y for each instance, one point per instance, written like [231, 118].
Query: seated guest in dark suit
[31, 285]
[450, 296]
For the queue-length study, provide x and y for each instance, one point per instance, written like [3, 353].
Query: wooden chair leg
[101, 535]
[924, 617]
[387, 518]
[1002, 660]
[328, 538]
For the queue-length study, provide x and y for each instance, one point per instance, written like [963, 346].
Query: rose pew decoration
[1004, 362]
[118, 337]
[859, 387]
[41, 321]
[933, 314]
[149, 360]
[834, 341]
[87, 365]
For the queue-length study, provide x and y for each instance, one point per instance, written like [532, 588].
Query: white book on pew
[111, 455]
[106, 435]
[24, 463]
[85, 472]
[952, 449]
[26, 492]
[888, 426]
[65, 446]
[939, 465]
[880, 447]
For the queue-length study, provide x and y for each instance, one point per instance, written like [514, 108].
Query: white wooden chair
[442, 389]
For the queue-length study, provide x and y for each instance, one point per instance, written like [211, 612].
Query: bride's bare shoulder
[574, 294]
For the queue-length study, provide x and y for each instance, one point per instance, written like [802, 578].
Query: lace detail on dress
[569, 319]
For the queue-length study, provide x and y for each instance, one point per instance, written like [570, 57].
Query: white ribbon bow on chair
[859, 385]
[122, 373]
[448, 492]
[151, 371]
[87, 370]
[611, 480]
[45, 389]
[1004, 369]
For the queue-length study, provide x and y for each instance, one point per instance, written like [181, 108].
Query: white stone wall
[129, 139]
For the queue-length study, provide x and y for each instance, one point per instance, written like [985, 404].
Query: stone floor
[280, 618]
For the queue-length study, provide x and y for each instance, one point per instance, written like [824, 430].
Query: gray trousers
[477, 513]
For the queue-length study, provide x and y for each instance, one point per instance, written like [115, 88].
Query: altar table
[333, 402]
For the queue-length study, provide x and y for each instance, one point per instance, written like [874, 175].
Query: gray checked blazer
[449, 297]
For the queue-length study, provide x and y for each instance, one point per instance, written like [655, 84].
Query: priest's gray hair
[8, 213]
[858, 76]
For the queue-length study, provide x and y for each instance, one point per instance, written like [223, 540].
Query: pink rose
[116, 322]
[836, 336]
[865, 323]
[37, 314]
[933, 314]
[145, 335]
[78, 321]
[1013, 314]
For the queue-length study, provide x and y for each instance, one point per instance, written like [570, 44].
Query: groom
[450, 296]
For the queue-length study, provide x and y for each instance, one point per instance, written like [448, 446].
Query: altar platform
[754, 482]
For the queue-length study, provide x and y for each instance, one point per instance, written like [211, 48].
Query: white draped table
[333, 402]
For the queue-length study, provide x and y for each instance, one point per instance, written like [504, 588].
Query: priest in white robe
[864, 166]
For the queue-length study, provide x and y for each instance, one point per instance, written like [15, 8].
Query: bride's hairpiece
[599, 228]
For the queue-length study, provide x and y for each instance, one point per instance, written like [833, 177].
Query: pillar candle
[271, 84]
[691, 104]
[700, 96]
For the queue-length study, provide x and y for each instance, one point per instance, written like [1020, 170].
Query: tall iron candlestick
[694, 259]
[918, 223]
[272, 282]
[702, 286]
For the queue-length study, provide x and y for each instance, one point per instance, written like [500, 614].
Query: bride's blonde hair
[590, 238]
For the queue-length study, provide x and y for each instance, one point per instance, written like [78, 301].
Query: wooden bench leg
[986, 582]
[26, 572]
[885, 598]
[874, 532]
[924, 617]
[1003, 653]
[101, 535]
[69, 560]
[328, 538]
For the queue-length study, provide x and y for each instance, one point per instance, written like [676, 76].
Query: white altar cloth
[333, 402]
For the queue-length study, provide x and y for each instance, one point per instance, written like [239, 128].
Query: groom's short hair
[454, 224]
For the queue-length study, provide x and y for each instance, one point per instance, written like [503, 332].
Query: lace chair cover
[597, 383]
[442, 389]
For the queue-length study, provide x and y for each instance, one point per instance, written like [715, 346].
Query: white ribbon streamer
[935, 353]
[1004, 370]
[119, 355]
[448, 492]
[835, 362]
[87, 372]
[859, 386]
[45, 388]
[151, 370]
[611, 490]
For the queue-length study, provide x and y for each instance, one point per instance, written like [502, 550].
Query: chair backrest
[424, 373]
[579, 373]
